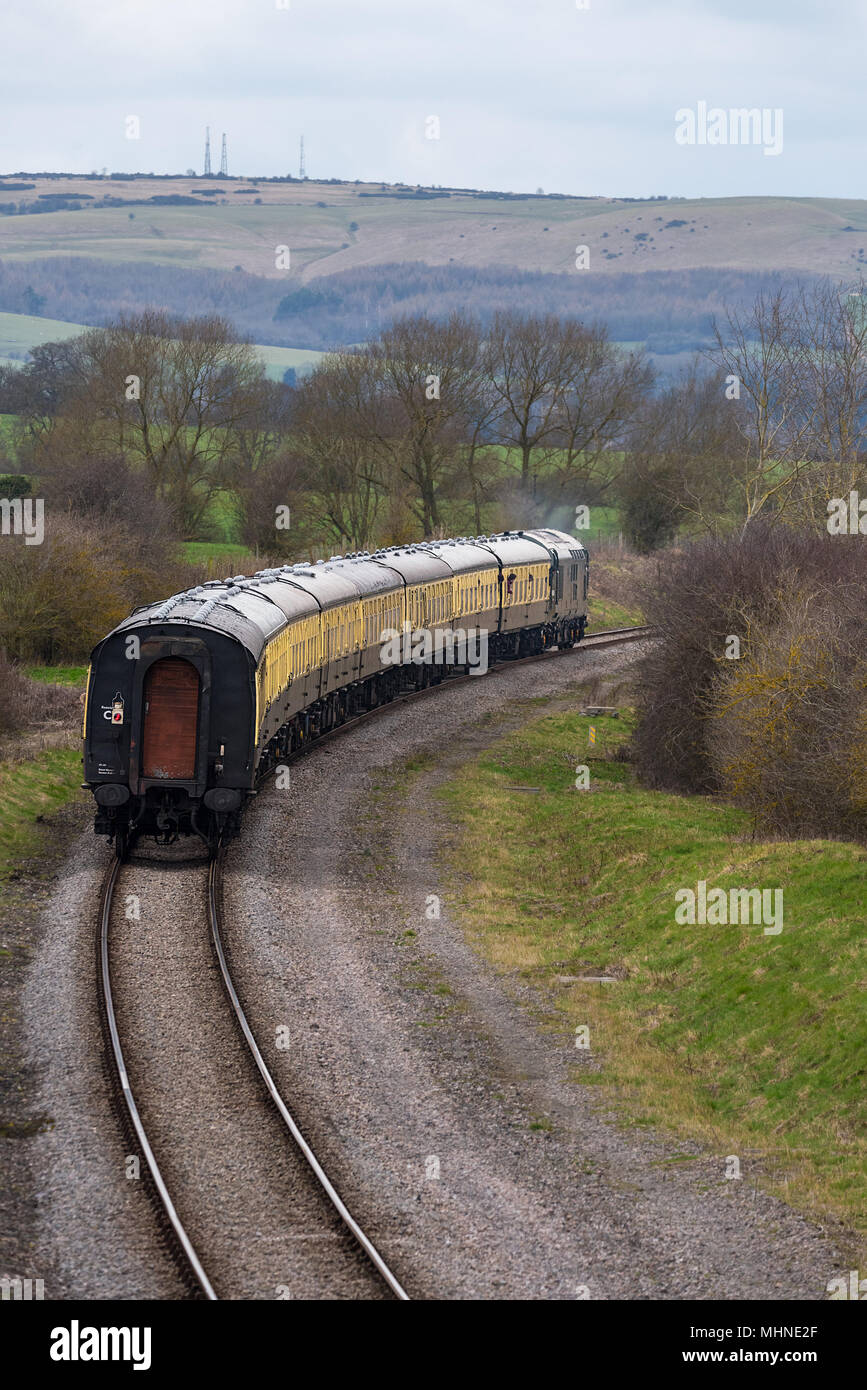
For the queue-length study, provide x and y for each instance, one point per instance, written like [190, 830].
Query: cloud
[528, 92]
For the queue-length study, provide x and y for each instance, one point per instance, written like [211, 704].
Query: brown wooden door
[171, 720]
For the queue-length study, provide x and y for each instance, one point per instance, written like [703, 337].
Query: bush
[59, 598]
[788, 733]
[106, 491]
[710, 724]
[25, 703]
[648, 513]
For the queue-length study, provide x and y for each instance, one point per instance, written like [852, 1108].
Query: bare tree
[262, 434]
[834, 357]
[530, 364]
[176, 396]
[602, 392]
[431, 376]
[760, 354]
[337, 429]
[684, 448]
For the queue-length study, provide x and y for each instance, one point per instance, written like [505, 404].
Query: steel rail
[183, 1246]
[214, 884]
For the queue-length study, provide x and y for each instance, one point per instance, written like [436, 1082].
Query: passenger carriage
[192, 701]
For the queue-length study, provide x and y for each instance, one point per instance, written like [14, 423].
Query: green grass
[19, 333]
[203, 551]
[7, 431]
[57, 675]
[604, 613]
[753, 1044]
[29, 789]
[604, 524]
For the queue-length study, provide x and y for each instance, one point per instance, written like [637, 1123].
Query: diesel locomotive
[193, 701]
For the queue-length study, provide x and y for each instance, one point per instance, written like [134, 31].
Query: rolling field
[21, 332]
[533, 233]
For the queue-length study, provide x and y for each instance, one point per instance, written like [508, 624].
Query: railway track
[173, 1231]
[611, 636]
[171, 1225]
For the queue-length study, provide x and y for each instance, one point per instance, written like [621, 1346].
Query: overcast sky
[528, 93]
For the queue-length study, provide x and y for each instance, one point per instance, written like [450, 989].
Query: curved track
[171, 1226]
[214, 883]
[173, 1231]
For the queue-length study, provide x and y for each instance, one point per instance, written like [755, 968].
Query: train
[192, 702]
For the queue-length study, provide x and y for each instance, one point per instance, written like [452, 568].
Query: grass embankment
[752, 1044]
[36, 781]
[616, 576]
[30, 790]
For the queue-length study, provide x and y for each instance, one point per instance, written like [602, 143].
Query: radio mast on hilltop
[207, 151]
[301, 173]
[224, 162]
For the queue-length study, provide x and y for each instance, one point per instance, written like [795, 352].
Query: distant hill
[97, 245]
[439, 227]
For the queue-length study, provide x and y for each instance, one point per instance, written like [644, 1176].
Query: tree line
[431, 420]
[452, 422]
